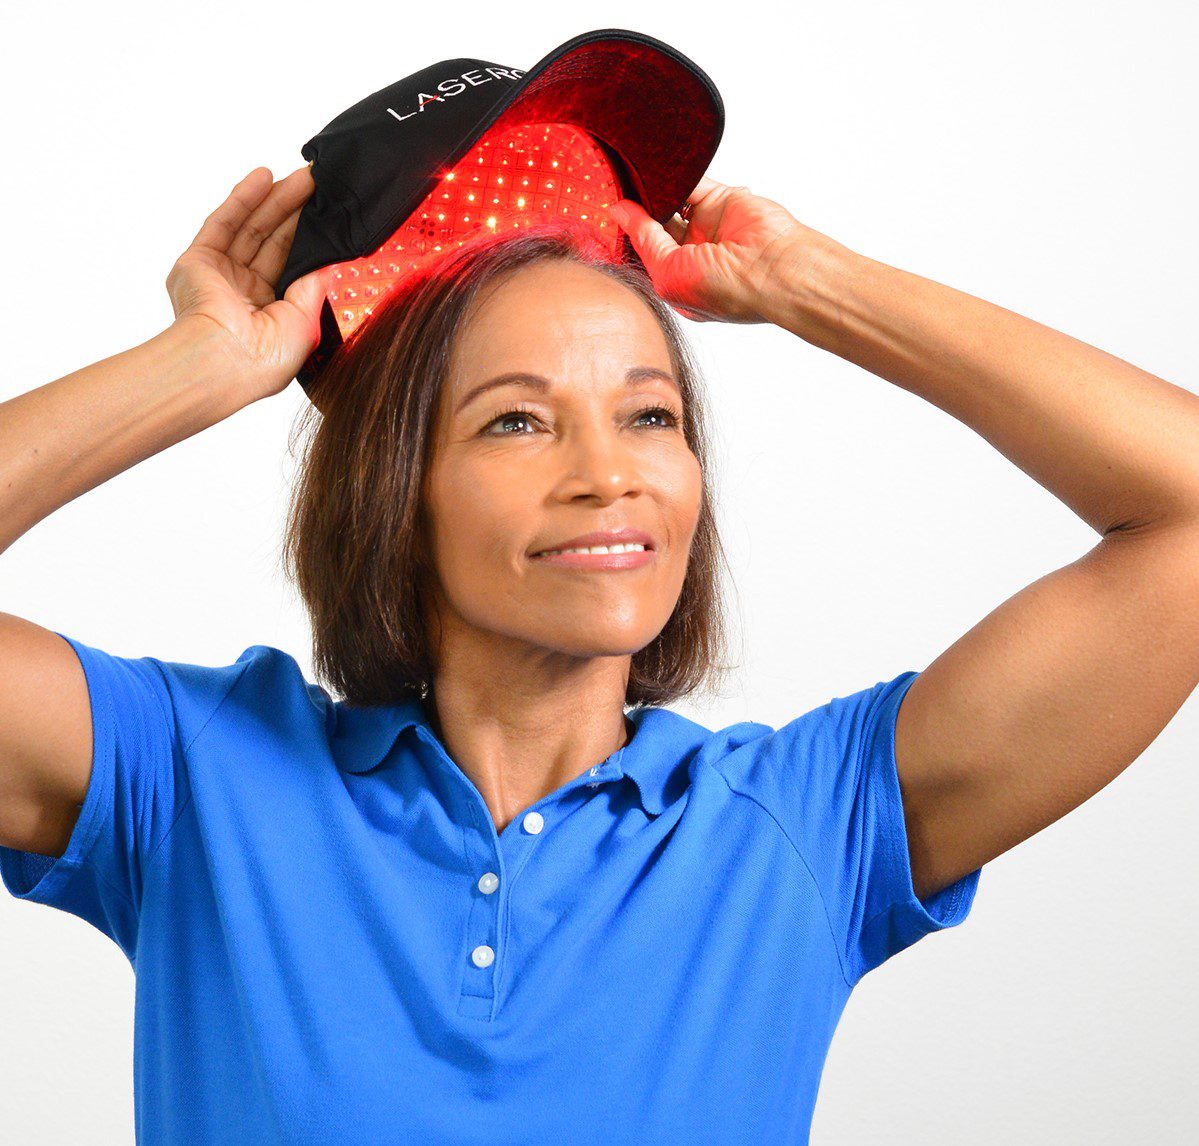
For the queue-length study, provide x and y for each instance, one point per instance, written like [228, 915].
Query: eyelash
[672, 414]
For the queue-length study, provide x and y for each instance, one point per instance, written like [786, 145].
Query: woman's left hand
[718, 265]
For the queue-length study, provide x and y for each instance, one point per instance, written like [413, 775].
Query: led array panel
[525, 174]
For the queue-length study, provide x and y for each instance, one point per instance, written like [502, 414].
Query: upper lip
[602, 537]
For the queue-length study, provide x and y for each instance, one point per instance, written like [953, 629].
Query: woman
[476, 900]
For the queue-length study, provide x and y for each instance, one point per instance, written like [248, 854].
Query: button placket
[483, 955]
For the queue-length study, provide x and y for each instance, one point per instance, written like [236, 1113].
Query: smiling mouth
[598, 550]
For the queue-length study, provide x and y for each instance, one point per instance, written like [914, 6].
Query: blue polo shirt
[332, 944]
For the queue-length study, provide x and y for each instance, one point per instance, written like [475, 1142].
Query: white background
[1039, 156]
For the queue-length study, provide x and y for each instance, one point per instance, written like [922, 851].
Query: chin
[596, 639]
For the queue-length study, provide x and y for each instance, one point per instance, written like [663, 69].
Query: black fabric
[655, 112]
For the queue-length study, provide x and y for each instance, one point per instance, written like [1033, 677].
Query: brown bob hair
[355, 540]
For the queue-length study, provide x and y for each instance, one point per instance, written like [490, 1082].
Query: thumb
[649, 238]
[308, 293]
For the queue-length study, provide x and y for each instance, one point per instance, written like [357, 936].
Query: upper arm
[45, 737]
[1047, 699]
[93, 772]
[131, 781]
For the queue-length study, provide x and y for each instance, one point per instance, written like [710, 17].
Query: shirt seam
[147, 866]
[807, 866]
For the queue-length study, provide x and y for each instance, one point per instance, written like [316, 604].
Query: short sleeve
[143, 711]
[841, 800]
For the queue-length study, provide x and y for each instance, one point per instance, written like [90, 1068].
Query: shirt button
[488, 882]
[533, 822]
[482, 955]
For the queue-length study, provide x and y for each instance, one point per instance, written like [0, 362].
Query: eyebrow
[633, 377]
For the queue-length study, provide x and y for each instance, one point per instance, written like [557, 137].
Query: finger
[272, 255]
[220, 228]
[650, 239]
[285, 197]
[704, 187]
[308, 293]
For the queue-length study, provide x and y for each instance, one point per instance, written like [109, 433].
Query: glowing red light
[529, 173]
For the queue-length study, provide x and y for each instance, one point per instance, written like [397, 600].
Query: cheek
[681, 488]
[475, 518]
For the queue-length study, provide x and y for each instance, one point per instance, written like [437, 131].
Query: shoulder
[813, 759]
[264, 681]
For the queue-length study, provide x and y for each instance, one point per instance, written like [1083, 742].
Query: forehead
[556, 315]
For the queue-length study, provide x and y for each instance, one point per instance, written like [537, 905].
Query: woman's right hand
[227, 277]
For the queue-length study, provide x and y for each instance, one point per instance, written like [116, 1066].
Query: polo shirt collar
[363, 737]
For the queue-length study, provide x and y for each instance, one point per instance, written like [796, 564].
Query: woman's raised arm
[1054, 693]
[231, 343]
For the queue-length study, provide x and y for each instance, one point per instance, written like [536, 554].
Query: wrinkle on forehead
[585, 325]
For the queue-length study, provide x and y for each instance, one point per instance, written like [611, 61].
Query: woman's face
[579, 456]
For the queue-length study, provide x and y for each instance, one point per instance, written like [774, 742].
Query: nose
[598, 462]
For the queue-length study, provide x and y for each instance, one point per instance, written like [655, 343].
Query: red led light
[529, 173]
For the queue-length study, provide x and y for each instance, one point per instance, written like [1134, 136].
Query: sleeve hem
[907, 917]
[15, 868]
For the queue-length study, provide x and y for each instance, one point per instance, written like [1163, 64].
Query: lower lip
[597, 561]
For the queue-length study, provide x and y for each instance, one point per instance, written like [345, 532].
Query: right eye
[511, 412]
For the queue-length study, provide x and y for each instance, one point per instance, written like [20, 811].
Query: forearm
[68, 436]
[1116, 444]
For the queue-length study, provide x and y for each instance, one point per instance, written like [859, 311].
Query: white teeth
[634, 548]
